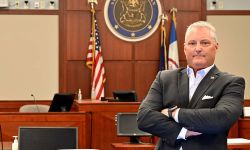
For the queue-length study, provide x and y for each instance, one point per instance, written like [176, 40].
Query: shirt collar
[201, 72]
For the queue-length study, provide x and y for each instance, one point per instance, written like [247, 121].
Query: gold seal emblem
[132, 20]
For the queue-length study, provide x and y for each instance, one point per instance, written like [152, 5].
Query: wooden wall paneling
[113, 48]
[77, 5]
[78, 77]
[204, 10]
[148, 49]
[244, 126]
[82, 5]
[78, 28]
[145, 73]
[119, 76]
[62, 49]
[118, 53]
[182, 5]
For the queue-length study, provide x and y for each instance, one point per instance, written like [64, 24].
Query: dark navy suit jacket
[215, 106]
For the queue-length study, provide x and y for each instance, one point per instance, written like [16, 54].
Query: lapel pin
[212, 77]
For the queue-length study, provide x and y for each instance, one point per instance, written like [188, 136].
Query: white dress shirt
[194, 81]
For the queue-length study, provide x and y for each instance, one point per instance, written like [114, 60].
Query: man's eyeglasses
[203, 43]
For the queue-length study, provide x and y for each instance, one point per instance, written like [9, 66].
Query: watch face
[132, 20]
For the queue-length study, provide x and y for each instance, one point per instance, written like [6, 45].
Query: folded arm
[222, 116]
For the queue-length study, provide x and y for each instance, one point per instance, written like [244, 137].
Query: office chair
[125, 95]
[34, 108]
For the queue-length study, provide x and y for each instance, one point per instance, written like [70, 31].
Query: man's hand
[192, 133]
[165, 112]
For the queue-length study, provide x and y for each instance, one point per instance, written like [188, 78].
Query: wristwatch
[170, 111]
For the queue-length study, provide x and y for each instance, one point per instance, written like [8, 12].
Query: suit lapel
[183, 88]
[206, 82]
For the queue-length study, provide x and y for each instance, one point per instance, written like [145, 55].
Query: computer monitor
[62, 102]
[47, 138]
[125, 96]
[127, 126]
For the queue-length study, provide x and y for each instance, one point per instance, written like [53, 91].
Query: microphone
[34, 98]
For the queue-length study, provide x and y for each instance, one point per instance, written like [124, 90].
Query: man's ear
[217, 46]
[184, 49]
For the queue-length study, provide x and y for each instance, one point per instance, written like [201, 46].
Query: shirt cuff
[175, 117]
[182, 134]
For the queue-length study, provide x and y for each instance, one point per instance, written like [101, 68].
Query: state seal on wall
[132, 20]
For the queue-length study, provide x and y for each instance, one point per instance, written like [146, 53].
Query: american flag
[95, 62]
[173, 57]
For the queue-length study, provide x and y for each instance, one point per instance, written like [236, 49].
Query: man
[193, 108]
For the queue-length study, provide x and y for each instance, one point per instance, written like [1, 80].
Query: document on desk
[237, 140]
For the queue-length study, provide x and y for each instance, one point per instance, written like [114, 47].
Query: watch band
[170, 111]
[170, 115]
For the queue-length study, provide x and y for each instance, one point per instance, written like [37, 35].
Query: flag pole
[163, 18]
[174, 11]
[163, 38]
[94, 57]
[92, 3]
[173, 57]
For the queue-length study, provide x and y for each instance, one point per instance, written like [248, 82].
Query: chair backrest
[34, 108]
[125, 95]
[62, 102]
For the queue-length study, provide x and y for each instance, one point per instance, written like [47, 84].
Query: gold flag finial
[163, 18]
[92, 2]
[173, 10]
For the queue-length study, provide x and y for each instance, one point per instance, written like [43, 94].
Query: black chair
[125, 95]
[62, 102]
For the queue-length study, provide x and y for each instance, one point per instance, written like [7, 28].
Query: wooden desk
[10, 123]
[103, 121]
[124, 146]
[127, 146]
[7, 146]
[244, 126]
[239, 145]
